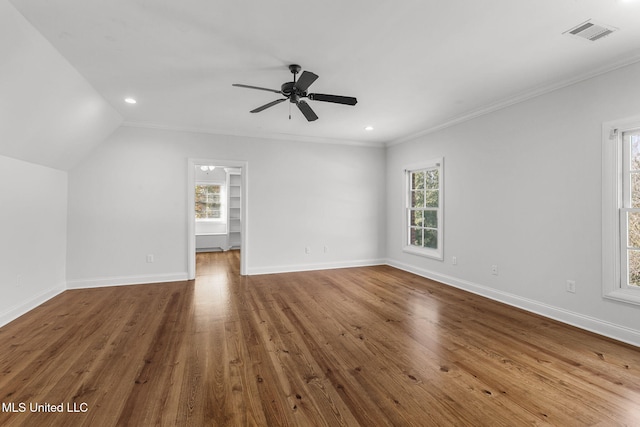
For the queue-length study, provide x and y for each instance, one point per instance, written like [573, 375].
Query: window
[209, 202]
[423, 209]
[621, 211]
[630, 211]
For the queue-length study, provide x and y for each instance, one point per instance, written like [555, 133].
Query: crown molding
[258, 135]
[521, 97]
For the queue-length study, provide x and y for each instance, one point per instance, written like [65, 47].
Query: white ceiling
[414, 65]
[49, 113]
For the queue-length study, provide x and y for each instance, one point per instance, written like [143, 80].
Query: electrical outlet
[571, 286]
[307, 250]
[494, 269]
[454, 260]
[150, 258]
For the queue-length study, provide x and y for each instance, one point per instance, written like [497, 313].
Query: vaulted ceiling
[414, 65]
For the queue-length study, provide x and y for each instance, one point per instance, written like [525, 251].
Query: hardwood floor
[370, 346]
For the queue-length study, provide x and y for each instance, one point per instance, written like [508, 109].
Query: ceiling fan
[296, 90]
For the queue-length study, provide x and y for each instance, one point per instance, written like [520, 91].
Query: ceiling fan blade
[307, 111]
[256, 87]
[347, 100]
[305, 80]
[265, 106]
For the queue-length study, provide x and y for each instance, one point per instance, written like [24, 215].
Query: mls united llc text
[21, 407]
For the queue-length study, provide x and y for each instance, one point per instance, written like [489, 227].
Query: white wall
[51, 117]
[523, 191]
[49, 114]
[128, 199]
[33, 232]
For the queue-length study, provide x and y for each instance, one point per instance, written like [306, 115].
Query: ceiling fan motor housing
[287, 88]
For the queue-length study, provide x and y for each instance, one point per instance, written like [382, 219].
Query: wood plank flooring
[370, 346]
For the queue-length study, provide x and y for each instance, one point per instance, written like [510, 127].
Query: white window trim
[438, 253]
[223, 202]
[612, 211]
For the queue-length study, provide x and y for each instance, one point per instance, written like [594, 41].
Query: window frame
[223, 204]
[438, 252]
[615, 205]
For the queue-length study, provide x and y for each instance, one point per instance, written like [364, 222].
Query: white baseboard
[17, 311]
[312, 267]
[601, 327]
[101, 282]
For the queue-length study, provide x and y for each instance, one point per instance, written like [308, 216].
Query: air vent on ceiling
[590, 31]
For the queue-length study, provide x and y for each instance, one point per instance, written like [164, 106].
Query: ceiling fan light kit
[296, 90]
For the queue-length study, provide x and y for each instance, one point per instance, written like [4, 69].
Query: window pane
[430, 239]
[417, 180]
[417, 199]
[431, 198]
[432, 179]
[635, 190]
[431, 219]
[634, 268]
[417, 218]
[635, 152]
[416, 236]
[633, 229]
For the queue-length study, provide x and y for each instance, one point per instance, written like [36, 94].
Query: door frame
[191, 211]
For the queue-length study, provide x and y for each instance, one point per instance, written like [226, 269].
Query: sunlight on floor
[212, 293]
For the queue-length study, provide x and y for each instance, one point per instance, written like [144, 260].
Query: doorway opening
[216, 209]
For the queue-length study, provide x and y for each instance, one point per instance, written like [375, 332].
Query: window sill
[427, 253]
[630, 296]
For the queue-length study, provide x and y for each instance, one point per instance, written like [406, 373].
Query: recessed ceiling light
[369, 128]
[130, 100]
